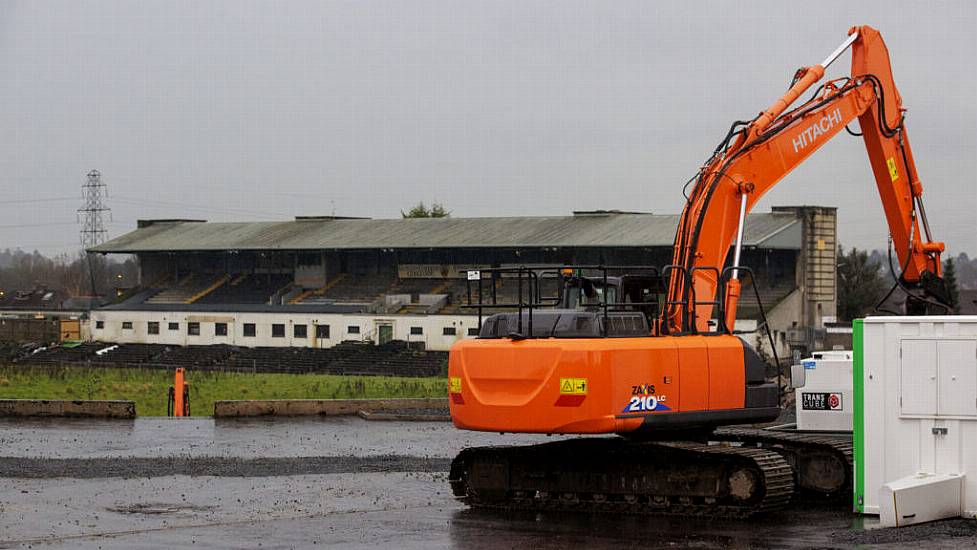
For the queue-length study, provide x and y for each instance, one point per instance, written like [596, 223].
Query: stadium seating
[196, 356]
[180, 292]
[417, 286]
[770, 296]
[238, 289]
[506, 292]
[347, 358]
[394, 358]
[129, 354]
[356, 289]
[58, 354]
[251, 289]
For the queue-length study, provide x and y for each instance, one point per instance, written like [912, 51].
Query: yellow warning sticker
[573, 386]
[454, 384]
[893, 172]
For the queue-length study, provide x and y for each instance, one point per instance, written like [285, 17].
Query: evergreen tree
[860, 285]
[419, 210]
[439, 211]
[950, 278]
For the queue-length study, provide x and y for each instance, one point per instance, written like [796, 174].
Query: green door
[385, 333]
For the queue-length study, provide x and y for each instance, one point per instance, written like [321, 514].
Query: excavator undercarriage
[622, 476]
[732, 473]
[821, 463]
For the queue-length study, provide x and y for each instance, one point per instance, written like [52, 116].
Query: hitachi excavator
[666, 369]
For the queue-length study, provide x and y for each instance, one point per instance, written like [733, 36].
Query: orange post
[179, 396]
[178, 401]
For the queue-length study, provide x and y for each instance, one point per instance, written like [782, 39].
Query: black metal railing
[530, 297]
[724, 278]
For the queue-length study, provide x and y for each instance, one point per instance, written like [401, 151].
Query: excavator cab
[633, 292]
[587, 294]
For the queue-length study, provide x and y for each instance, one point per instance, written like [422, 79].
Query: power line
[67, 246]
[113, 223]
[206, 209]
[24, 225]
[26, 201]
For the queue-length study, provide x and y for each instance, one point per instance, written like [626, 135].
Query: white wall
[781, 318]
[432, 327]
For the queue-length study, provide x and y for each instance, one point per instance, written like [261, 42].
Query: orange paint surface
[514, 386]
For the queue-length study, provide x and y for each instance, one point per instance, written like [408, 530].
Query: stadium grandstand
[317, 282]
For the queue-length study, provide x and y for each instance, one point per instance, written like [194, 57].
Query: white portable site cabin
[915, 424]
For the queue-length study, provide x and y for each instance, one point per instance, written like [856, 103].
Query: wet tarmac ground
[300, 483]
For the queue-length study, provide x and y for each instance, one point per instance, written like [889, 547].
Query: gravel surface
[432, 411]
[90, 468]
[345, 482]
[962, 531]
[240, 437]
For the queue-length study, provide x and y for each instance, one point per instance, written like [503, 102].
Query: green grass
[148, 388]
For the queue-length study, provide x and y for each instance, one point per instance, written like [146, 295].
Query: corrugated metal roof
[604, 230]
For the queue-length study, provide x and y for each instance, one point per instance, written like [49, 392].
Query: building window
[277, 330]
[448, 331]
[249, 330]
[416, 331]
[473, 332]
[126, 325]
[300, 331]
[99, 324]
[173, 326]
[322, 331]
[220, 329]
[152, 327]
[353, 329]
[193, 329]
[309, 259]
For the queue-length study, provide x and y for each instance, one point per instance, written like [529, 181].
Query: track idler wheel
[743, 485]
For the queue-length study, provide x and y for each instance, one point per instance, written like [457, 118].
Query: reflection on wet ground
[278, 483]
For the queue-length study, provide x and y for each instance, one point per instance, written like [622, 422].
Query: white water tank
[823, 392]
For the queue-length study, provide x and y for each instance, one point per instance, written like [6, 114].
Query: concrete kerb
[320, 407]
[18, 408]
[404, 417]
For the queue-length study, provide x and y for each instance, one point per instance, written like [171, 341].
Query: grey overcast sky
[230, 110]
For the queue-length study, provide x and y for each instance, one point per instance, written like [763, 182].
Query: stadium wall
[107, 326]
[437, 332]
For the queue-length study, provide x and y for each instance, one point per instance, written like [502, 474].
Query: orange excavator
[656, 358]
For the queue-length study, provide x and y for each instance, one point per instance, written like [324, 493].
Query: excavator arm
[757, 154]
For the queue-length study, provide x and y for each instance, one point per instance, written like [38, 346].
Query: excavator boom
[767, 148]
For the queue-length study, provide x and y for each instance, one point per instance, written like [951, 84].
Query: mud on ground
[296, 483]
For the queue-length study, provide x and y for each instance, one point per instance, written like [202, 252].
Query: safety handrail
[531, 277]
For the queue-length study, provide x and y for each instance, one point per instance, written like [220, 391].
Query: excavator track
[615, 475]
[822, 464]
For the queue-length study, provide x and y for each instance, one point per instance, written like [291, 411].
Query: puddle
[156, 509]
